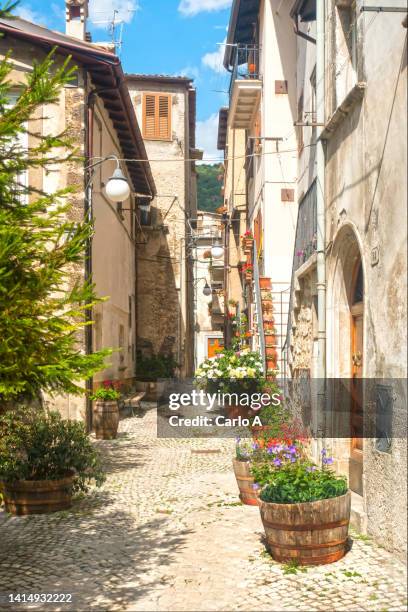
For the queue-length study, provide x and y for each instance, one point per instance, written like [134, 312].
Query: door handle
[357, 359]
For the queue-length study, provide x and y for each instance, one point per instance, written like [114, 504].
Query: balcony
[246, 86]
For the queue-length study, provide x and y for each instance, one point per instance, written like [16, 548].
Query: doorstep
[358, 516]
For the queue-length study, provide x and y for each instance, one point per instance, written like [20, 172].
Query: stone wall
[164, 275]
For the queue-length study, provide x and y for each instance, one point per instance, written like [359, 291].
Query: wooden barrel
[37, 496]
[312, 533]
[247, 494]
[106, 420]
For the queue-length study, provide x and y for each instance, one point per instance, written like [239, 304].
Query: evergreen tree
[42, 310]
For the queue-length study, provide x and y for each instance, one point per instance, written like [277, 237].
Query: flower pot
[234, 412]
[106, 420]
[265, 283]
[248, 244]
[25, 497]
[248, 276]
[245, 482]
[310, 533]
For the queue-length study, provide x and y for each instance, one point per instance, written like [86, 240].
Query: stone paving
[166, 532]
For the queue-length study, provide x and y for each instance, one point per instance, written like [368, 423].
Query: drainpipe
[320, 157]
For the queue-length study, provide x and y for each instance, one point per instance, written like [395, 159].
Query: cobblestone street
[166, 532]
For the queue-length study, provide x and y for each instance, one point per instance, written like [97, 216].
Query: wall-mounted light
[217, 250]
[117, 188]
[207, 291]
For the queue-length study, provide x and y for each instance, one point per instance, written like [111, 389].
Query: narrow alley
[167, 532]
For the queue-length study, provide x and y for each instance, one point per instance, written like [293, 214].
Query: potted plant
[265, 283]
[150, 369]
[305, 511]
[44, 459]
[106, 413]
[245, 453]
[247, 242]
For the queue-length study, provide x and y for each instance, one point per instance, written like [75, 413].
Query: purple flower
[238, 440]
[255, 446]
[327, 460]
[256, 486]
[277, 462]
[270, 451]
[287, 456]
[292, 449]
[324, 452]
[311, 468]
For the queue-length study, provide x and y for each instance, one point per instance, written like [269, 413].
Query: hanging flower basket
[207, 255]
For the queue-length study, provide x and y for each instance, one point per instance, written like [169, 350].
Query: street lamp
[217, 250]
[117, 188]
[207, 289]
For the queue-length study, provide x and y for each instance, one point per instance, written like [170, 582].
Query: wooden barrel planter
[311, 533]
[247, 494]
[106, 420]
[25, 497]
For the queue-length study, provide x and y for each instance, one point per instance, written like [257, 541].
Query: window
[74, 13]
[157, 116]
[346, 48]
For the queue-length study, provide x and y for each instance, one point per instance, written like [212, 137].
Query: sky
[175, 37]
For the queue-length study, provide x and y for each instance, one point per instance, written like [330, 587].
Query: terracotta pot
[270, 350]
[311, 533]
[252, 69]
[245, 482]
[234, 412]
[106, 420]
[248, 244]
[265, 283]
[25, 497]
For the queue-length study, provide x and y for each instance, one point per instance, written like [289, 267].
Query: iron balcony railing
[246, 64]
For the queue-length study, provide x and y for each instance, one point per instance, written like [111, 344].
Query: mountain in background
[209, 186]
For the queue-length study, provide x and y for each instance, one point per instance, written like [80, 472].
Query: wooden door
[215, 345]
[356, 413]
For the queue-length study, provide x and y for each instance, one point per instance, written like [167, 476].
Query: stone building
[208, 284]
[348, 300]
[94, 109]
[165, 107]
[261, 55]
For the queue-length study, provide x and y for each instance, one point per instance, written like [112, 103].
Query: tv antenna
[115, 26]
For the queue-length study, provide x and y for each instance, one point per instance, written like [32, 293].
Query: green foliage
[105, 394]
[155, 367]
[39, 446]
[42, 307]
[302, 482]
[209, 187]
[231, 372]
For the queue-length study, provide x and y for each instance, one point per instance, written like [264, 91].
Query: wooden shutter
[157, 116]
[149, 116]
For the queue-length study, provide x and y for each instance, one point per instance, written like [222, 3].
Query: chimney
[76, 13]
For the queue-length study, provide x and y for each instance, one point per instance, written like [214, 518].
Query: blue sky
[165, 37]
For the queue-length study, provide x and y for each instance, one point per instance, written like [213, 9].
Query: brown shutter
[149, 118]
[157, 116]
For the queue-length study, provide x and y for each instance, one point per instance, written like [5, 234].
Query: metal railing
[258, 307]
[246, 64]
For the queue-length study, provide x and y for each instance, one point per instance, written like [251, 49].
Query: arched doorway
[345, 344]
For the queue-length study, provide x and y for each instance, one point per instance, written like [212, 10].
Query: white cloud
[102, 11]
[214, 60]
[207, 134]
[193, 7]
[29, 14]
[192, 72]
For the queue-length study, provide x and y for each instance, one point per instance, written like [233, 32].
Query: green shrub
[105, 394]
[303, 482]
[155, 367]
[35, 445]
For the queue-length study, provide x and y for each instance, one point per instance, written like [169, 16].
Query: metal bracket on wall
[383, 9]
